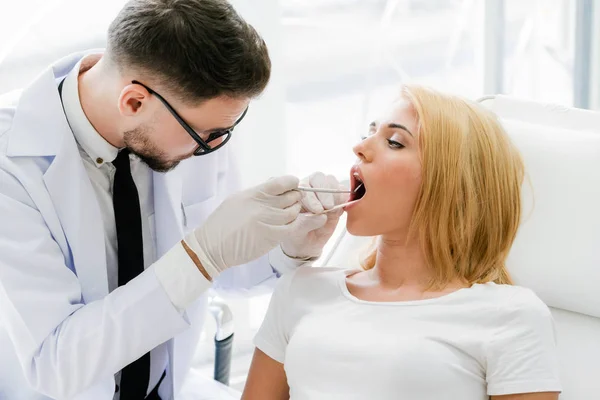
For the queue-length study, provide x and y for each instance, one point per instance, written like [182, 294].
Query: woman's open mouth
[358, 187]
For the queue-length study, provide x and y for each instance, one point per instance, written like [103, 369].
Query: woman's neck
[400, 273]
[400, 263]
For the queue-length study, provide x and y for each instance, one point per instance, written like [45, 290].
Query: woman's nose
[363, 151]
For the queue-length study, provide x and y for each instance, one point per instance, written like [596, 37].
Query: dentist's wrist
[299, 258]
[180, 277]
[282, 263]
[202, 261]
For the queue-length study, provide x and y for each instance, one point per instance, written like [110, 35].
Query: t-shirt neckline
[441, 299]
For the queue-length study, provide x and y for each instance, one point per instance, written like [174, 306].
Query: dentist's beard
[138, 143]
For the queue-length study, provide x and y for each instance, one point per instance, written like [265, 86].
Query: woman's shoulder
[303, 276]
[317, 283]
[320, 273]
[513, 301]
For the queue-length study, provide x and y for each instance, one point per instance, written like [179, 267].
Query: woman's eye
[395, 145]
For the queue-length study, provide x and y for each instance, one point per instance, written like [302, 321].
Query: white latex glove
[313, 231]
[247, 225]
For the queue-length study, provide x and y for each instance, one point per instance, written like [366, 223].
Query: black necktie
[126, 202]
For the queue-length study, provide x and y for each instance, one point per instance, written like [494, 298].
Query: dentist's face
[389, 167]
[160, 140]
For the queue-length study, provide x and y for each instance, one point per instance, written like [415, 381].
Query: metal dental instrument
[321, 190]
[339, 206]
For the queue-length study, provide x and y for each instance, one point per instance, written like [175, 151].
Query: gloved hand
[313, 231]
[247, 225]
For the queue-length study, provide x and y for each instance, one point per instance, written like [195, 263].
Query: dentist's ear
[131, 99]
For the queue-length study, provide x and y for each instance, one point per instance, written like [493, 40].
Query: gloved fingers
[311, 203]
[280, 185]
[285, 200]
[279, 217]
[330, 225]
[341, 197]
[301, 226]
[320, 180]
[306, 223]
[335, 215]
[333, 183]
[316, 203]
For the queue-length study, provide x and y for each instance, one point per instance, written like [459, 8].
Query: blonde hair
[468, 209]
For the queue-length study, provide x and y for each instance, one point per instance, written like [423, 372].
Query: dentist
[114, 221]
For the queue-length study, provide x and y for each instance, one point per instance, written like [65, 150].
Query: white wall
[260, 139]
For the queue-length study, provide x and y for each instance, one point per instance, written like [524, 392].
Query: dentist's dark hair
[196, 49]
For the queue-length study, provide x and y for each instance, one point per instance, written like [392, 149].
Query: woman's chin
[359, 226]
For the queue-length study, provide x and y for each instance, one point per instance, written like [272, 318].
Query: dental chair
[557, 250]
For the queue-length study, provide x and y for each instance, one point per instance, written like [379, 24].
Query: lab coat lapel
[170, 219]
[168, 228]
[78, 210]
[168, 215]
[44, 131]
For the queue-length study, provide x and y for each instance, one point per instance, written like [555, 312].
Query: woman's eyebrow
[393, 125]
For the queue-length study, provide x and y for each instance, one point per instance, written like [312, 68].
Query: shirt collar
[96, 147]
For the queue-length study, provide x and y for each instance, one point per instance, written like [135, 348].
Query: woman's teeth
[359, 190]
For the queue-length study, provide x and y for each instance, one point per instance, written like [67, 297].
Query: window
[539, 50]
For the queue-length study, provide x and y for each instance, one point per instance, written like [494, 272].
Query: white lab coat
[60, 334]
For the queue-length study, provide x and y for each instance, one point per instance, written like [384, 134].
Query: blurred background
[336, 63]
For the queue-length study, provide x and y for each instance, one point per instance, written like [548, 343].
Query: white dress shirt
[97, 156]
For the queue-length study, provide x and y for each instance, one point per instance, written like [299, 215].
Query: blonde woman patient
[433, 314]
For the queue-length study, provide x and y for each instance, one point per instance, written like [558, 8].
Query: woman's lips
[357, 185]
[351, 205]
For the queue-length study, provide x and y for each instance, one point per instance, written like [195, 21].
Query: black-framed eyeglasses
[219, 137]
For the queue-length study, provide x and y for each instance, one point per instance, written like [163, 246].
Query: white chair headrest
[557, 250]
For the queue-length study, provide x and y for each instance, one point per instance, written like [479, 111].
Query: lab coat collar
[96, 147]
[40, 119]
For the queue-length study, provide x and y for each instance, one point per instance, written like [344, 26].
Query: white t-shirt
[485, 340]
